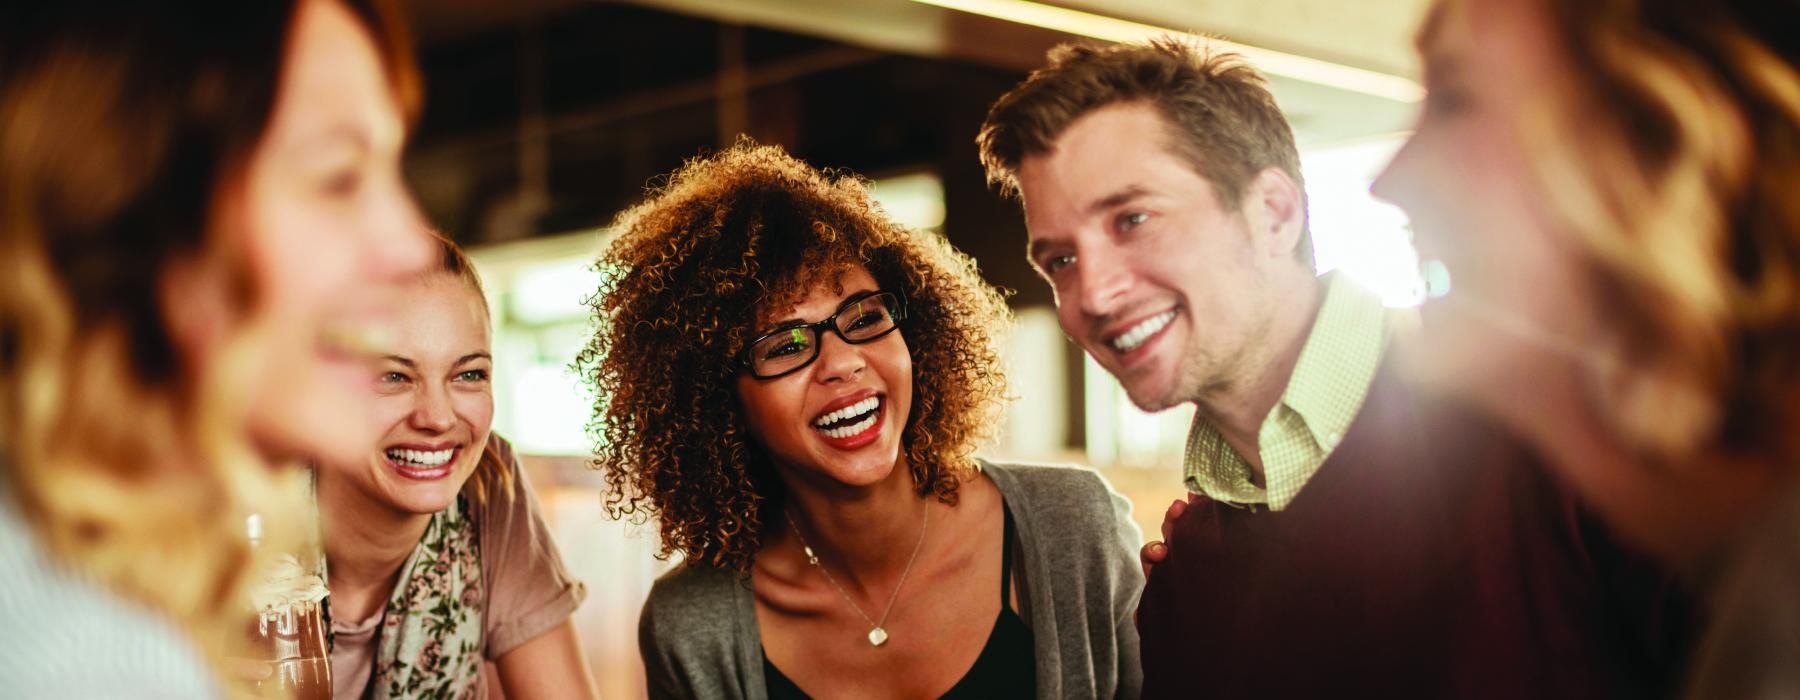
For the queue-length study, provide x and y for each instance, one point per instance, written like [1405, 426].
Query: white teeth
[856, 409]
[1131, 339]
[433, 458]
[851, 429]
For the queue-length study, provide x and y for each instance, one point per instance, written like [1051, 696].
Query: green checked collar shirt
[1330, 380]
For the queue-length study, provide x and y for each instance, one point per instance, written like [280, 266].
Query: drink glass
[289, 630]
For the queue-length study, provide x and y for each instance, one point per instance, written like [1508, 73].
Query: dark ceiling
[553, 117]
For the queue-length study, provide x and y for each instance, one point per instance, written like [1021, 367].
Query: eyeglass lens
[789, 349]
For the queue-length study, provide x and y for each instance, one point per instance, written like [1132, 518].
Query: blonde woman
[1610, 185]
[191, 197]
[438, 560]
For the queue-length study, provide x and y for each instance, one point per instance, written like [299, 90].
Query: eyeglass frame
[897, 314]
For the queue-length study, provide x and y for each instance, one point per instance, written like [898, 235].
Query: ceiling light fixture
[1105, 28]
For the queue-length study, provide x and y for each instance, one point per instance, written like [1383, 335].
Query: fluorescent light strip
[1105, 28]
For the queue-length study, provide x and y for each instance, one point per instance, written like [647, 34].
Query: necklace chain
[877, 628]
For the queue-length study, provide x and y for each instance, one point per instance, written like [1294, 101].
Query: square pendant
[878, 636]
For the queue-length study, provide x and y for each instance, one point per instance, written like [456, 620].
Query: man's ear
[1276, 209]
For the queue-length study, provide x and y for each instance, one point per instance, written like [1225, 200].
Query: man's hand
[1154, 552]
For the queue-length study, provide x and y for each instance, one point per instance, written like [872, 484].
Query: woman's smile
[423, 462]
[853, 421]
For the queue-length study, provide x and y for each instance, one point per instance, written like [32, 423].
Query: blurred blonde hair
[119, 125]
[1683, 188]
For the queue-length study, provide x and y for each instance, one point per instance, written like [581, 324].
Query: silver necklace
[877, 631]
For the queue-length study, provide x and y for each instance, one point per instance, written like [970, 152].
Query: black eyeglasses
[787, 349]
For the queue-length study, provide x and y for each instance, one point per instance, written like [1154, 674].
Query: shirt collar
[1330, 379]
[1332, 375]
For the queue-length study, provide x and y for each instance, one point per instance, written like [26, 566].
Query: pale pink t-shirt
[528, 589]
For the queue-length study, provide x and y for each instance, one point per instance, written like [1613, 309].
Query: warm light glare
[914, 200]
[553, 291]
[1287, 65]
[1365, 238]
[549, 409]
[1037, 368]
[1120, 434]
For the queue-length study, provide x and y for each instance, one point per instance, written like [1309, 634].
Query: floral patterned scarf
[430, 636]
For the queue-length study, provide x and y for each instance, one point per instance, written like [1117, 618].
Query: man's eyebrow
[1122, 196]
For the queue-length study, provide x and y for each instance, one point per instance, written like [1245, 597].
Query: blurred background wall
[546, 117]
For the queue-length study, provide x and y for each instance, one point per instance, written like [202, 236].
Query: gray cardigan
[1079, 581]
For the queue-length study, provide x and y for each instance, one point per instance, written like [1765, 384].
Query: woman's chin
[862, 470]
[420, 500]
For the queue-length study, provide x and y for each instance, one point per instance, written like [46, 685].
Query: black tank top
[1007, 667]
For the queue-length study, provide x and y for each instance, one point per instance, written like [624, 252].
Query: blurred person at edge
[793, 385]
[1348, 534]
[1611, 186]
[437, 556]
[195, 198]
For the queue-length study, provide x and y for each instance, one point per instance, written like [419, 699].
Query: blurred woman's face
[327, 227]
[434, 399]
[1520, 301]
[1525, 332]
[837, 421]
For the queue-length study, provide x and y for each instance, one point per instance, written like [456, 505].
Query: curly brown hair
[751, 229]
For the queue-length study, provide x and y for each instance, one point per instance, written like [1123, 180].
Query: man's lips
[1124, 338]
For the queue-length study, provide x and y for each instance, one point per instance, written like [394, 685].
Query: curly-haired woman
[793, 385]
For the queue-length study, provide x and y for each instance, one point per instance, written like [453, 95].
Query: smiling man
[1346, 534]
[1179, 255]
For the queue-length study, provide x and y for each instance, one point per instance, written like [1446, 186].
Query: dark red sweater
[1430, 556]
